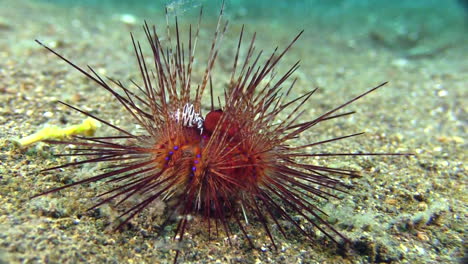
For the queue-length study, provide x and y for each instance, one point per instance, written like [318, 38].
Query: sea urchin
[235, 163]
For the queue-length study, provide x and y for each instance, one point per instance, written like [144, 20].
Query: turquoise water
[413, 28]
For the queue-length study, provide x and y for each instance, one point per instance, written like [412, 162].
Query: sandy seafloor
[401, 210]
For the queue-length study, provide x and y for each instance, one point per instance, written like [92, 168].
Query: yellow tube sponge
[87, 128]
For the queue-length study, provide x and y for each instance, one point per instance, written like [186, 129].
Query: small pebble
[128, 19]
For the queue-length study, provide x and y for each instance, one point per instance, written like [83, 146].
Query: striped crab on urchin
[237, 162]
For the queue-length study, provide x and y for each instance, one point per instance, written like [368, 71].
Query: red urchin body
[237, 162]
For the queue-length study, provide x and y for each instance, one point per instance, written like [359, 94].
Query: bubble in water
[177, 7]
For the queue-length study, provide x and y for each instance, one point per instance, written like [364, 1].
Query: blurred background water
[416, 28]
